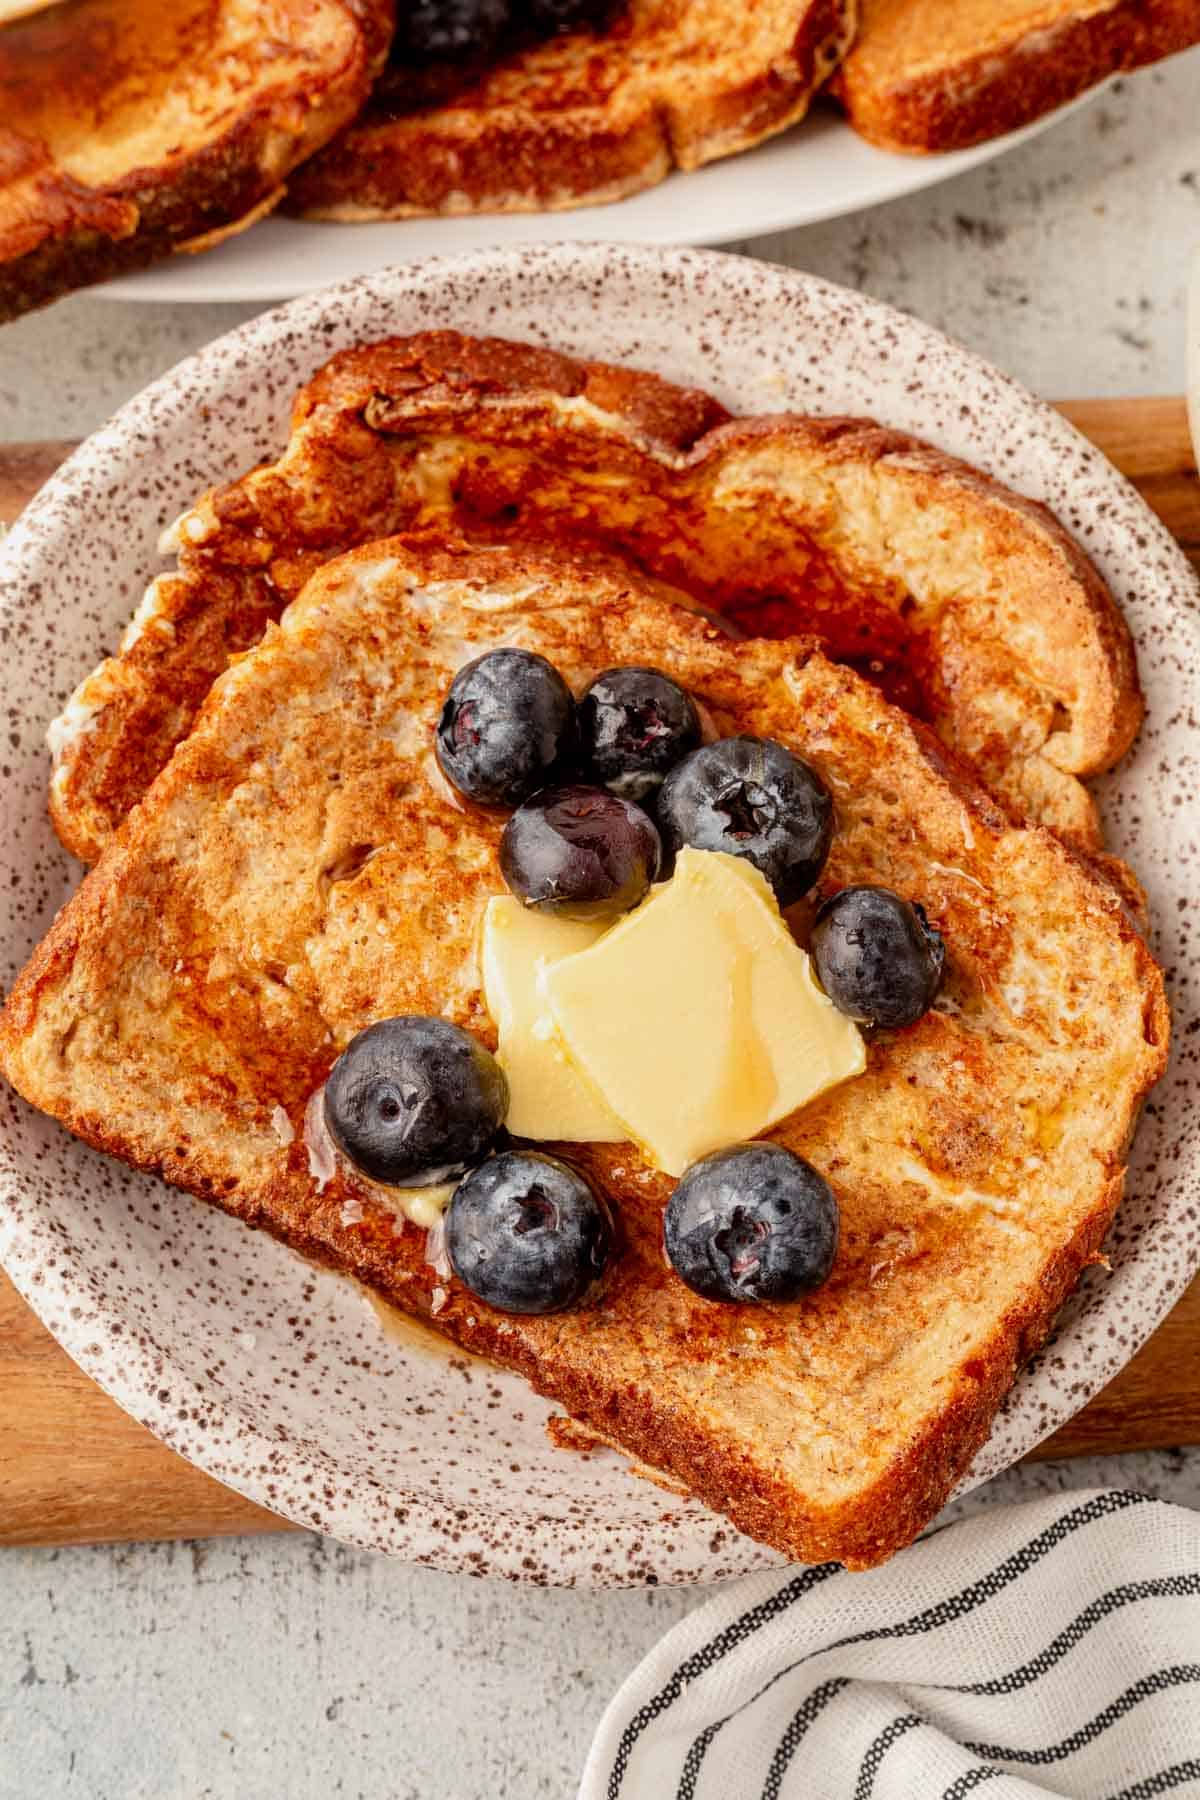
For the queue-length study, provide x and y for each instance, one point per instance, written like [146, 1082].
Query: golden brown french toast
[582, 118]
[131, 130]
[941, 74]
[300, 869]
[968, 604]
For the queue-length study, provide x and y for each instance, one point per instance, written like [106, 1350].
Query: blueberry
[634, 726]
[437, 30]
[527, 1234]
[580, 852]
[552, 16]
[413, 1101]
[752, 1223]
[877, 956]
[508, 720]
[750, 797]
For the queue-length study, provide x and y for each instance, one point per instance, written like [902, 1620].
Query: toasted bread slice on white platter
[129, 131]
[929, 75]
[582, 118]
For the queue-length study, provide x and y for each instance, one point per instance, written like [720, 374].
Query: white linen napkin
[1049, 1648]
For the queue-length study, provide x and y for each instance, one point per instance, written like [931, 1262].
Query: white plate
[819, 170]
[274, 1376]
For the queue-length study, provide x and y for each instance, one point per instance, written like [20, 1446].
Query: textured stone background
[1064, 261]
[260, 1668]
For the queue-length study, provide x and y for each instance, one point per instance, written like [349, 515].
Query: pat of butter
[548, 1097]
[698, 1017]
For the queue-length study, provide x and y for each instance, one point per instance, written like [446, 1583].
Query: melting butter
[548, 1097]
[421, 1206]
[698, 1018]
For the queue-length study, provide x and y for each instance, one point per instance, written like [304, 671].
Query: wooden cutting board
[75, 1469]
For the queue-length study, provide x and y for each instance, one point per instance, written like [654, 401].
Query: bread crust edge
[984, 96]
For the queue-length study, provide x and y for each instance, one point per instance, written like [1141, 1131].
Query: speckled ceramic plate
[276, 1377]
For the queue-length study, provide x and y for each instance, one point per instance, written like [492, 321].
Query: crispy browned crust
[879, 1521]
[578, 122]
[989, 886]
[910, 83]
[443, 374]
[893, 1510]
[537, 447]
[58, 232]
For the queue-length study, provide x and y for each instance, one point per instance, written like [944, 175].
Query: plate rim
[39, 1284]
[914, 172]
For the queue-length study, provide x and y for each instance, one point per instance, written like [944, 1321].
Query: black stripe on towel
[972, 1779]
[695, 1756]
[946, 1611]
[792, 1738]
[900, 1725]
[705, 1657]
[1160, 1682]
[1163, 1782]
[1176, 1585]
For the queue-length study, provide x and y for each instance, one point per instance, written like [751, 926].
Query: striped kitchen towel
[1050, 1648]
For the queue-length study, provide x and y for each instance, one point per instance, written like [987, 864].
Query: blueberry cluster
[607, 790]
[433, 31]
[604, 791]
[413, 1101]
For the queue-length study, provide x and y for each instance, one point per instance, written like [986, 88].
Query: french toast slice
[300, 869]
[969, 604]
[129, 131]
[583, 118]
[927, 75]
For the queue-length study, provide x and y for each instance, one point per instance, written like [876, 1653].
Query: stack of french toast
[129, 132]
[618, 879]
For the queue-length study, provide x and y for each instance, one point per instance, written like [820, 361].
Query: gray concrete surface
[295, 1669]
[258, 1669]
